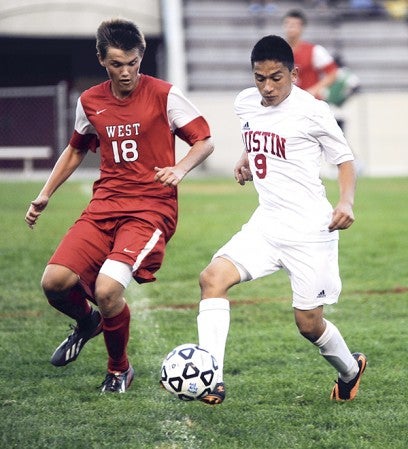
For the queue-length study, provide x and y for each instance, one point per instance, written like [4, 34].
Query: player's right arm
[242, 172]
[324, 63]
[66, 164]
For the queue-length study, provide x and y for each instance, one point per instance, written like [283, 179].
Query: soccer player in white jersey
[286, 131]
[132, 119]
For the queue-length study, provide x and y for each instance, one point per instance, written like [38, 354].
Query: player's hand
[242, 172]
[168, 176]
[35, 209]
[343, 217]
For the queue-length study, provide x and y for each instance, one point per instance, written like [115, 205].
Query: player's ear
[294, 74]
[101, 61]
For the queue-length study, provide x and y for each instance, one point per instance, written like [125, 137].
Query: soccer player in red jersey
[317, 69]
[133, 119]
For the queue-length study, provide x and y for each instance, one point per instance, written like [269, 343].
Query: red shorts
[88, 243]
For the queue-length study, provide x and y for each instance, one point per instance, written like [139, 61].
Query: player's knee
[57, 280]
[310, 323]
[309, 330]
[215, 281]
[308, 334]
[109, 298]
[209, 278]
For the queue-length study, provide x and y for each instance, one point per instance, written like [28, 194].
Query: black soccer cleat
[70, 348]
[116, 382]
[347, 391]
[216, 396]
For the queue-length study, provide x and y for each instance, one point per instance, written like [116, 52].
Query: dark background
[45, 61]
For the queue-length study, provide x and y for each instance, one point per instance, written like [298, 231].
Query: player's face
[123, 70]
[274, 81]
[293, 29]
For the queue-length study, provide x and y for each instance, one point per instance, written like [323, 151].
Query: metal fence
[34, 126]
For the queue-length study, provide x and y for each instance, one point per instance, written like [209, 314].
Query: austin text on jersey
[264, 142]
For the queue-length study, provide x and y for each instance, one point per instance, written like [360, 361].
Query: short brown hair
[119, 33]
[296, 14]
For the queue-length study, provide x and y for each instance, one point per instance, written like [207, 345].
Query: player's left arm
[188, 124]
[343, 215]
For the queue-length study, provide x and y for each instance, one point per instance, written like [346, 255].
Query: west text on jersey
[131, 129]
[265, 142]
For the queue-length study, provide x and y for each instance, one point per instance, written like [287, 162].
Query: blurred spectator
[319, 73]
[317, 68]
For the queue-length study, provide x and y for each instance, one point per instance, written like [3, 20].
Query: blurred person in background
[317, 69]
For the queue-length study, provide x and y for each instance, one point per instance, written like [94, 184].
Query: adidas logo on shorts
[322, 294]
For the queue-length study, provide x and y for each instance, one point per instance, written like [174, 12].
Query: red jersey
[312, 60]
[134, 135]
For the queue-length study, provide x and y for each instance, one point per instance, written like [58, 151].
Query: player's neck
[294, 42]
[121, 94]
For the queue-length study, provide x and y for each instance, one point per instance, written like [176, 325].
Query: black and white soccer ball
[189, 372]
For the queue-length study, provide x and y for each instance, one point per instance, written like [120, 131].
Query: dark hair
[296, 14]
[273, 48]
[119, 33]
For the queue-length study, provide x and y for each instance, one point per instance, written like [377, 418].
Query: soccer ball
[189, 372]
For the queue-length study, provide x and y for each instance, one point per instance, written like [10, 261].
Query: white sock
[334, 349]
[213, 323]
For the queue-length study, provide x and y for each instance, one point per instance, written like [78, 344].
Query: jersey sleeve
[84, 136]
[330, 136]
[185, 119]
[194, 131]
[322, 59]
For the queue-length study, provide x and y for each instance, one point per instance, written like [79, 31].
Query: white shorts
[312, 267]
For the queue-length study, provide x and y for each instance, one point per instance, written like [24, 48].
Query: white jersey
[285, 145]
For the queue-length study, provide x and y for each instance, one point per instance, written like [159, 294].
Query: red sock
[74, 305]
[116, 334]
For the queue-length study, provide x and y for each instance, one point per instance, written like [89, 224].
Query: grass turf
[277, 384]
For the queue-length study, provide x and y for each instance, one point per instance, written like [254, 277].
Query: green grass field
[278, 385]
